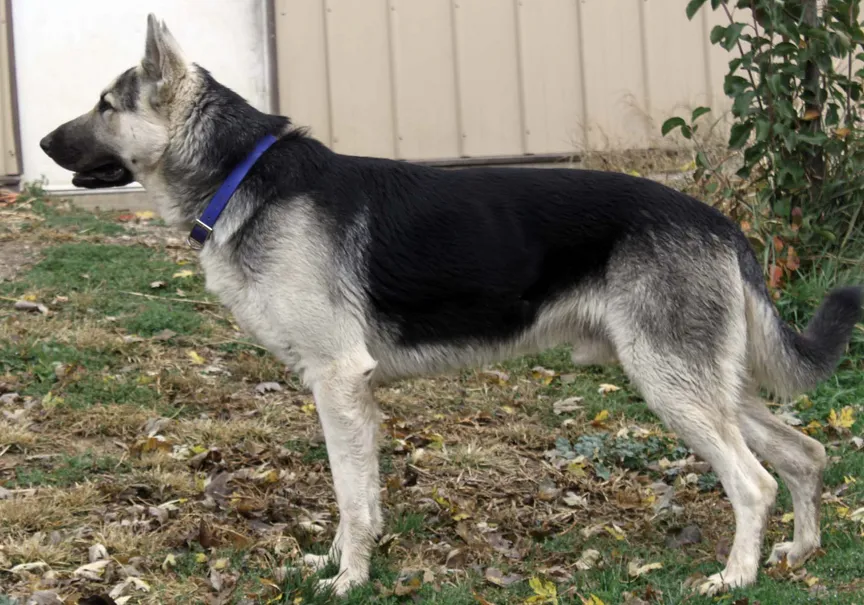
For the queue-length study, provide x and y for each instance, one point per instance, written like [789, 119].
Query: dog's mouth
[106, 175]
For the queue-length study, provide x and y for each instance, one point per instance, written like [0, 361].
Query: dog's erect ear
[163, 59]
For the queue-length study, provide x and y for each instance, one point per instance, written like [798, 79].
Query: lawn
[149, 451]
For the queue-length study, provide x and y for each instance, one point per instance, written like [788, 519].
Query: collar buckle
[199, 235]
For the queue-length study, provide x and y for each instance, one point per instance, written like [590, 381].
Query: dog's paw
[316, 562]
[713, 585]
[795, 557]
[779, 552]
[339, 585]
[723, 582]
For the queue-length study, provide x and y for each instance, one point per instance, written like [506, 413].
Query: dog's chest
[246, 300]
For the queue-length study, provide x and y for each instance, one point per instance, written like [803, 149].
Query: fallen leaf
[195, 357]
[169, 562]
[588, 559]
[775, 278]
[495, 377]
[547, 491]
[481, 600]
[163, 335]
[592, 599]
[564, 406]
[811, 114]
[268, 387]
[495, 576]
[813, 426]
[843, 421]
[787, 518]
[636, 569]
[502, 545]
[183, 274]
[97, 552]
[600, 418]
[544, 592]
[543, 375]
[790, 417]
[145, 215]
[615, 531]
[608, 388]
[568, 378]
[156, 443]
[793, 262]
[157, 284]
[28, 567]
[455, 559]
[572, 499]
[26, 305]
[632, 599]
[92, 571]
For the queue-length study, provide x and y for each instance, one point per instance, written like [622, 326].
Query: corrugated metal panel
[615, 73]
[551, 75]
[678, 71]
[424, 74]
[429, 79]
[361, 93]
[489, 86]
[11, 166]
[301, 61]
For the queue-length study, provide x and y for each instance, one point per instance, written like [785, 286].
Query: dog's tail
[787, 362]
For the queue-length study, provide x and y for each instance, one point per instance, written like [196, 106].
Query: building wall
[408, 79]
[67, 51]
[10, 166]
[436, 79]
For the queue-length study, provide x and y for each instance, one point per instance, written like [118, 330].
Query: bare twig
[190, 301]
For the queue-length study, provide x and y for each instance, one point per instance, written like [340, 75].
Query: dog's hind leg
[687, 355]
[800, 461]
[700, 416]
[350, 419]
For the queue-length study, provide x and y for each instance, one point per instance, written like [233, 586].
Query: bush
[798, 183]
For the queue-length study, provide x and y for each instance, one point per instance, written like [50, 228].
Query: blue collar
[204, 226]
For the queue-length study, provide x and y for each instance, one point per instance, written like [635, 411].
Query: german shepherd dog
[356, 270]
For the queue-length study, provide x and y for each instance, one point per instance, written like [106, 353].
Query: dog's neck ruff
[203, 226]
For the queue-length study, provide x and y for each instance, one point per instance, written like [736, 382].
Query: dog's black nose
[45, 143]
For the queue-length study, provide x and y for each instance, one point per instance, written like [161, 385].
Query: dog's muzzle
[92, 168]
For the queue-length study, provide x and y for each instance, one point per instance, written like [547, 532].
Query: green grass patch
[75, 377]
[97, 278]
[67, 470]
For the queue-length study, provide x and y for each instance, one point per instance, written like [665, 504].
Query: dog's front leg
[350, 419]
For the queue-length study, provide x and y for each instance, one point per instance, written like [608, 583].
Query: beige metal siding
[301, 58]
[615, 73]
[424, 74]
[551, 76]
[11, 166]
[489, 87]
[428, 79]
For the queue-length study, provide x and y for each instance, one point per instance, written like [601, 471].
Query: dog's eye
[104, 105]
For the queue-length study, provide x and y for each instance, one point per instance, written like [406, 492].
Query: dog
[355, 271]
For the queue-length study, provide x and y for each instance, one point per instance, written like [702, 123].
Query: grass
[130, 411]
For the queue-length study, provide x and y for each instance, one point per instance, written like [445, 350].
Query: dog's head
[128, 130]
